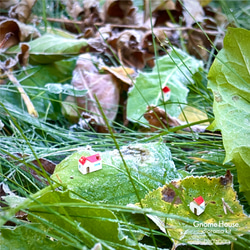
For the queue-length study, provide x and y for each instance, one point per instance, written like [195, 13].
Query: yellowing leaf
[190, 114]
[204, 2]
[223, 212]
[121, 73]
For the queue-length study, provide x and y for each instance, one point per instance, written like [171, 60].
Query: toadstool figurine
[166, 93]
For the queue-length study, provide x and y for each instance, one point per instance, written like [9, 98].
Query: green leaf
[150, 166]
[50, 48]
[175, 71]
[27, 237]
[34, 80]
[174, 199]
[229, 80]
[74, 220]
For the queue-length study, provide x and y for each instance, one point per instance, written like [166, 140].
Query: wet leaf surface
[214, 226]
[229, 79]
[150, 166]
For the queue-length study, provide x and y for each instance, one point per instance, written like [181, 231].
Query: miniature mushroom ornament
[166, 93]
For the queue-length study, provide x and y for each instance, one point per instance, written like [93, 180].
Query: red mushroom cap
[166, 89]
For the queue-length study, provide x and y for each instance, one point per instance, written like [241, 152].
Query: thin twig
[138, 27]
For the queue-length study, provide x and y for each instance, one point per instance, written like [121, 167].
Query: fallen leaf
[51, 48]
[175, 71]
[221, 228]
[9, 35]
[159, 10]
[119, 12]
[174, 16]
[190, 114]
[124, 74]
[22, 10]
[149, 164]
[159, 119]
[73, 8]
[89, 122]
[198, 43]
[192, 12]
[84, 17]
[23, 56]
[163, 39]
[129, 50]
[86, 76]
[13, 32]
[31, 165]
[5, 5]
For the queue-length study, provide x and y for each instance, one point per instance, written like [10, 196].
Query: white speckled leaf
[150, 166]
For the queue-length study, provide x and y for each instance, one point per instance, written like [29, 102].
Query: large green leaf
[225, 223]
[50, 48]
[75, 220]
[229, 80]
[150, 166]
[29, 237]
[175, 71]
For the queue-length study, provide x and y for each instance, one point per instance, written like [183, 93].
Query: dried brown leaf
[158, 9]
[6, 4]
[162, 38]
[119, 12]
[84, 18]
[21, 59]
[89, 122]
[28, 32]
[23, 56]
[159, 119]
[10, 34]
[192, 12]
[46, 164]
[121, 73]
[73, 8]
[22, 10]
[13, 32]
[86, 76]
[198, 43]
[129, 50]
